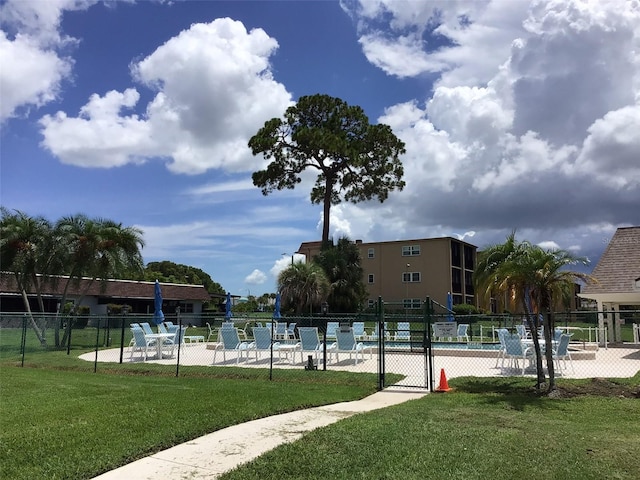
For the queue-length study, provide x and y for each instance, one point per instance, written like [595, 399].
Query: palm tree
[303, 285]
[550, 281]
[534, 278]
[342, 265]
[98, 249]
[27, 249]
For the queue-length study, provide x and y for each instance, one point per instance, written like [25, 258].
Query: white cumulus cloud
[214, 90]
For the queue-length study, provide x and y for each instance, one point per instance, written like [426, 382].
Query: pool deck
[612, 362]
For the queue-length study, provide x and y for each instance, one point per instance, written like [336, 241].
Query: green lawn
[487, 429]
[60, 421]
[65, 424]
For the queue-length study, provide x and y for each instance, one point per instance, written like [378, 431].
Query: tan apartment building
[407, 271]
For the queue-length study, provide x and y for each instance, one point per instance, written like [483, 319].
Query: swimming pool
[438, 345]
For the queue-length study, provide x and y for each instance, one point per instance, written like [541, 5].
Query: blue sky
[516, 115]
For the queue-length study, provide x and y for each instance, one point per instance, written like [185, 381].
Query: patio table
[160, 339]
[290, 348]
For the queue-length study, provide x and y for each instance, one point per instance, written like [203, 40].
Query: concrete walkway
[211, 455]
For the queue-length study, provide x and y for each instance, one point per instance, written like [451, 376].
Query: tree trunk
[548, 330]
[533, 328]
[328, 188]
[34, 325]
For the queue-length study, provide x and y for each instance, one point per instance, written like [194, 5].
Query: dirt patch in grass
[601, 387]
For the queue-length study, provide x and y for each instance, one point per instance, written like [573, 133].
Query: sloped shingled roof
[113, 289]
[619, 267]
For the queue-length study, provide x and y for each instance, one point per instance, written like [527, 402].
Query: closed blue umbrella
[158, 316]
[276, 308]
[227, 313]
[450, 307]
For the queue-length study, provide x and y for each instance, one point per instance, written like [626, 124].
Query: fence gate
[404, 345]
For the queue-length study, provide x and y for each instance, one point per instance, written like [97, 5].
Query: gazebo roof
[618, 271]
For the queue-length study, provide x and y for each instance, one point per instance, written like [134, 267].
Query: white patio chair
[230, 342]
[346, 343]
[515, 351]
[141, 343]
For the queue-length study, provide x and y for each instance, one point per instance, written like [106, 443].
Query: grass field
[61, 423]
[58, 423]
[486, 429]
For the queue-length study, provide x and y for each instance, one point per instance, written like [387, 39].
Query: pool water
[444, 345]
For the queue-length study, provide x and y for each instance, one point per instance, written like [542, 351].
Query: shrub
[465, 309]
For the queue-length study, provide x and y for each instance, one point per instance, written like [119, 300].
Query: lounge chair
[358, 330]
[346, 343]
[331, 330]
[262, 342]
[280, 331]
[403, 331]
[462, 333]
[561, 352]
[171, 327]
[310, 342]
[516, 351]
[176, 341]
[522, 331]
[374, 334]
[291, 331]
[141, 343]
[230, 342]
[146, 328]
[242, 333]
[502, 332]
[212, 332]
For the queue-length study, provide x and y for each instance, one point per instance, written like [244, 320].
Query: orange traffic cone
[444, 385]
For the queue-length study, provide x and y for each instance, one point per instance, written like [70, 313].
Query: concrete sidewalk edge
[208, 456]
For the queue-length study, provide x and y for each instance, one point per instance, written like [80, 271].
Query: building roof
[111, 288]
[618, 271]
[317, 245]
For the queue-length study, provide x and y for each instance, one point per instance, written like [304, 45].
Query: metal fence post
[95, 362]
[381, 334]
[428, 313]
[23, 341]
[179, 338]
[273, 326]
[124, 313]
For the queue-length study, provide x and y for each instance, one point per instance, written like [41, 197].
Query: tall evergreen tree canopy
[357, 161]
[171, 272]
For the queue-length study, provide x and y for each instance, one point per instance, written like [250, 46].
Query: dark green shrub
[465, 309]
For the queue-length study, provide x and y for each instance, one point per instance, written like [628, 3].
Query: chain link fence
[421, 347]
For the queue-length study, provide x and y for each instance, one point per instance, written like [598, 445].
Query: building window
[468, 258]
[410, 250]
[456, 280]
[186, 307]
[371, 278]
[371, 303]
[468, 283]
[412, 303]
[411, 277]
[371, 253]
[456, 260]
